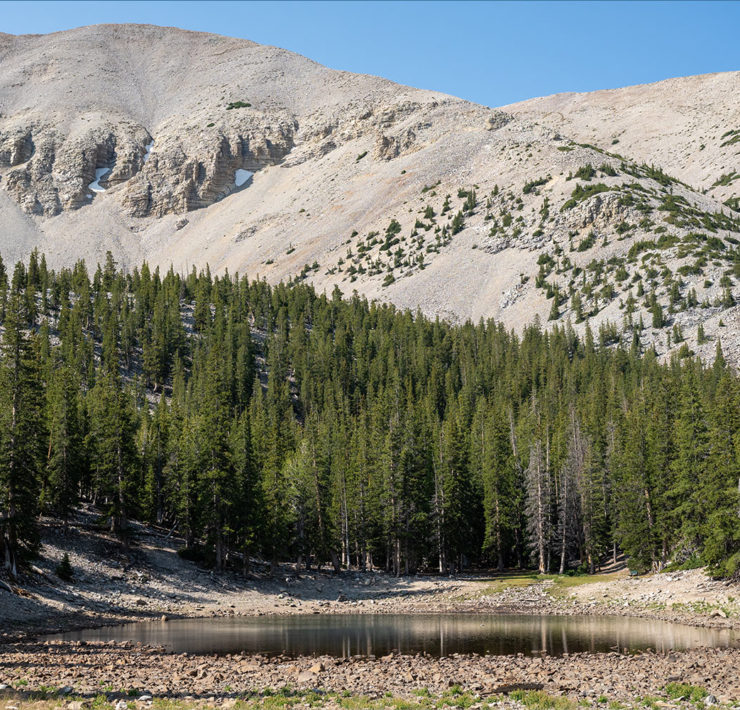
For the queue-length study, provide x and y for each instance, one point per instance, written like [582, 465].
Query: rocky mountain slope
[688, 126]
[185, 148]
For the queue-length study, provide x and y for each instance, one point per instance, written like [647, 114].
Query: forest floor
[149, 580]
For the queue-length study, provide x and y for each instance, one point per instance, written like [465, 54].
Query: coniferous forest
[274, 423]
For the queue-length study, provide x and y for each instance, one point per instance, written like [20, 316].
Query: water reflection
[436, 634]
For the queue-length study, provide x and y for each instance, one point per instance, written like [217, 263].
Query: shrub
[199, 554]
[238, 104]
[583, 193]
[586, 172]
[587, 243]
[458, 222]
[726, 179]
[532, 184]
[64, 569]
[623, 227]
[732, 138]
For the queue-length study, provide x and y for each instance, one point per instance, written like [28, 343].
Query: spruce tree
[66, 456]
[21, 437]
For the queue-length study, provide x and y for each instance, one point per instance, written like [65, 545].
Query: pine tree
[113, 454]
[247, 509]
[636, 512]
[21, 437]
[689, 467]
[66, 457]
[289, 424]
[496, 470]
[719, 494]
[458, 506]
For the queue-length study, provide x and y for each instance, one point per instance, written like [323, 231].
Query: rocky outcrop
[183, 174]
[601, 212]
[389, 147]
[49, 172]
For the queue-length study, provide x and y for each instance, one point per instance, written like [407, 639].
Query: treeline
[277, 423]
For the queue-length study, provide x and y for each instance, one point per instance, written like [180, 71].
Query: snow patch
[241, 177]
[95, 185]
[148, 149]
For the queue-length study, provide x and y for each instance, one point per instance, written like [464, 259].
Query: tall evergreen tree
[21, 436]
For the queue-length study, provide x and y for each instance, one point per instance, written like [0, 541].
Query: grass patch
[692, 693]
[539, 700]
[561, 582]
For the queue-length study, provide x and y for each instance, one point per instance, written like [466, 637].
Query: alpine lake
[445, 634]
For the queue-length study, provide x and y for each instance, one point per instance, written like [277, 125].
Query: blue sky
[493, 53]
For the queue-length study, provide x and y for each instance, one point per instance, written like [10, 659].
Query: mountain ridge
[336, 160]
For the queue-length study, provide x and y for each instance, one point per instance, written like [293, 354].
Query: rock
[145, 698]
[248, 666]
[711, 700]
[718, 613]
[66, 690]
[317, 668]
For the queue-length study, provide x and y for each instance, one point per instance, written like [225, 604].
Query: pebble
[617, 676]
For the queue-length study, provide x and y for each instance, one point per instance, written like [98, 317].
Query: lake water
[345, 635]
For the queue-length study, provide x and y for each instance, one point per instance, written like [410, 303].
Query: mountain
[184, 148]
[688, 125]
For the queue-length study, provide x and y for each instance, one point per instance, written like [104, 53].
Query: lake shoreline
[150, 580]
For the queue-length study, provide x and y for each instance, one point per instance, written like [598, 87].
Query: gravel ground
[93, 668]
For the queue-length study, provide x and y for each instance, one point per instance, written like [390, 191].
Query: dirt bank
[113, 584]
